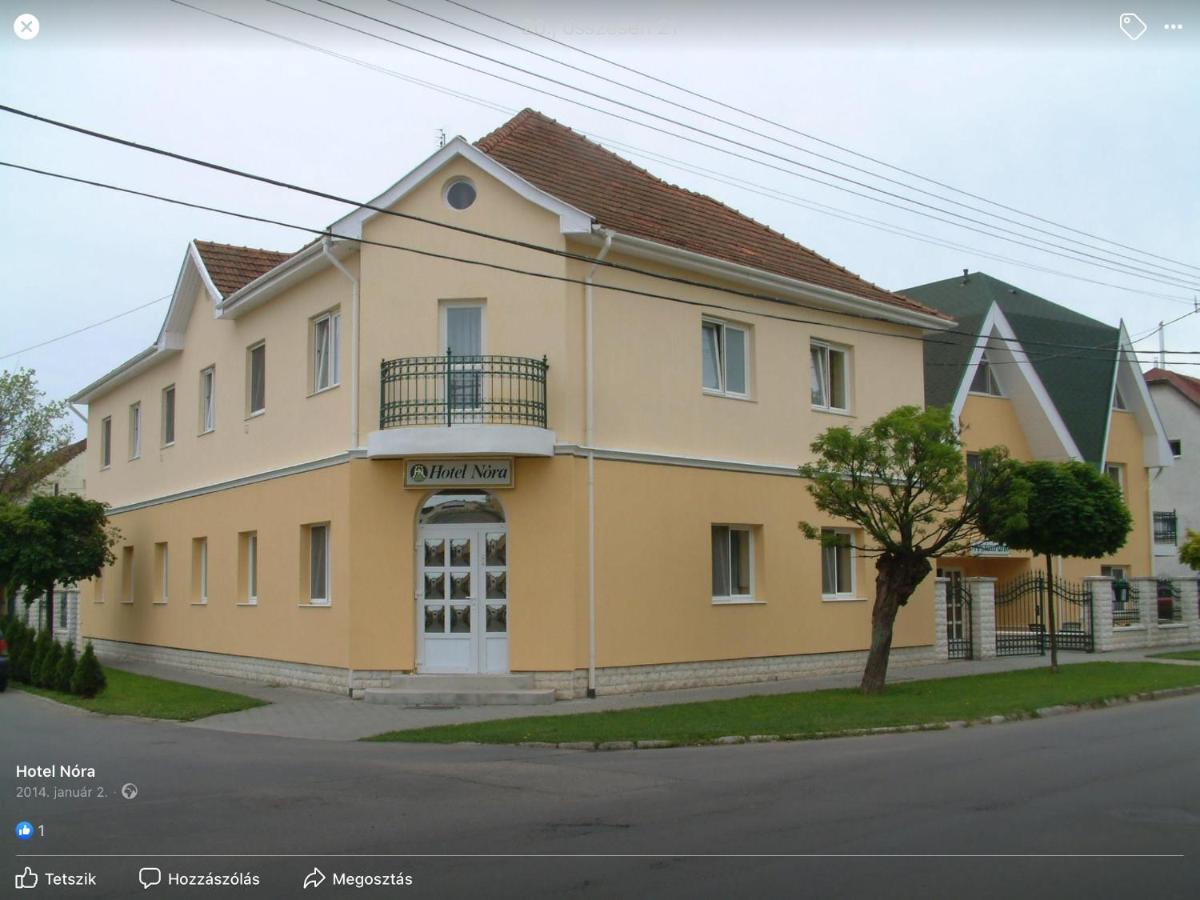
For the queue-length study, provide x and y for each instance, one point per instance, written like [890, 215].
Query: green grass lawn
[911, 703]
[1179, 654]
[128, 694]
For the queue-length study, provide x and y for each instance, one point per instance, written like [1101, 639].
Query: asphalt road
[971, 812]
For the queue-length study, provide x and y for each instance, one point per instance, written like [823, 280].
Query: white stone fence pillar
[1146, 590]
[983, 616]
[1189, 598]
[1100, 588]
[941, 645]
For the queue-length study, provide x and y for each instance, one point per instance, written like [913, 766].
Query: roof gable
[1186, 385]
[626, 198]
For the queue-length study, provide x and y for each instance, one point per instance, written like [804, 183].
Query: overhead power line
[808, 135]
[591, 73]
[63, 337]
[703, 304]
[816, 206]
[1162, 277]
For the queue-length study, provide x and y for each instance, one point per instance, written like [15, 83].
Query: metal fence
[1168, 600]
[1022, 619]
[958, 620]
[458, 390]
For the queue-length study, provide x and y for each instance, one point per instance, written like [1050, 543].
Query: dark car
[3, 665]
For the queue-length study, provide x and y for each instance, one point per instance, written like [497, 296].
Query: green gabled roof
[1079, 382]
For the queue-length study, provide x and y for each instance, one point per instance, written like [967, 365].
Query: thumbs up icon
[26, 880]
[24, 830]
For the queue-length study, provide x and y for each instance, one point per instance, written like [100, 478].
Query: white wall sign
[989, 548]
[458, 473]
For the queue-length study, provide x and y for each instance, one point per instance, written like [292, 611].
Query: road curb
[1045, 712]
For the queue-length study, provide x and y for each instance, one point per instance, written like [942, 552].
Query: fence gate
[1022, 620]
[958, 620]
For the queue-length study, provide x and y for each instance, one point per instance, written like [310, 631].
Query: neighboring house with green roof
[1048, 383]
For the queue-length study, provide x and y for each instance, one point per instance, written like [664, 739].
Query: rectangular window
[985, 381]
[1165, 528]
[837, 564]
[1116, 471]
[98, 589]
[462, 326]
[1118, 399]
[208, 400]
[725, 358]
[127, 575]
[200, 570]
[829, 377]
[248, 566]
[162, 574]
[135, 431]
[168, 416]
[732, 563]
[318, 564]
[106, 442]
[256, 379]
[1176, 447]
[326, 344]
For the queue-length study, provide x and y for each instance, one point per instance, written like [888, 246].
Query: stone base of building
[566, 685]
[714, 673]
[250, 668]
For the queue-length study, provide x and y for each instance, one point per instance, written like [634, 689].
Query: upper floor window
[837, 564]
[208, 400]
[106, 442]
[135, 430]
[168, 416]
[829, 376]
[732, 556]
[326, 344]
[1176, 447]
[460, 194]
[1118, 399]
[1166, 528]
[256, 379]
[985, 381]
[1116, 471]
[725, 349]
[462, 329]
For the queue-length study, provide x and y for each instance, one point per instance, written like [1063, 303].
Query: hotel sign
[421, 473]
[989, 548]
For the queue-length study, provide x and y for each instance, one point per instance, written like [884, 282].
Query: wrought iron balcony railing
[462, 390]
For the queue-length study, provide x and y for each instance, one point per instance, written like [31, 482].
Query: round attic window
[460, 194]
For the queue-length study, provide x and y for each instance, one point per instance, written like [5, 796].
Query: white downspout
[589, 433]
[325, 245]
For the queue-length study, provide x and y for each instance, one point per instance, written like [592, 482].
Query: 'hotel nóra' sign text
[458, 473]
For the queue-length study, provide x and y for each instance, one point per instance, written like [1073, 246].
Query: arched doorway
[462, 584]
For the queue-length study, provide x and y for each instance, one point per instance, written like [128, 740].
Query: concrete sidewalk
[317, 715]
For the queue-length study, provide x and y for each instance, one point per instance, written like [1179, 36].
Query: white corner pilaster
[1146, 590]
[941, 644]
[1189, 598]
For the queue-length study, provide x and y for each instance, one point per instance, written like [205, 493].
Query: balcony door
[462, 332]
[462, 584]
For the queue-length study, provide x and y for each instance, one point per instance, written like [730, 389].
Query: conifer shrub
[88, 680]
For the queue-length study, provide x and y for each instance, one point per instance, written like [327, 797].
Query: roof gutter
[124, 371]
[827, 298]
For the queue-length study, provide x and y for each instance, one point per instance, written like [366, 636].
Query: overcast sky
[1052, 113]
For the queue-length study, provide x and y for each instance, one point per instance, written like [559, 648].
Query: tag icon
[1132, 25]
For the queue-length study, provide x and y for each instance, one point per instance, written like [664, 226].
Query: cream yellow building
[564, 459]
[1047, 383]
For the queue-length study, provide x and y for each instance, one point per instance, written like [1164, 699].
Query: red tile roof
[231, 267]
[1185, 384]
[629, 200]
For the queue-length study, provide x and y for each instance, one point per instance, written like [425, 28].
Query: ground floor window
[200, 570]
[318, 564]
[837, 564]
[248, 566]
[732, 563]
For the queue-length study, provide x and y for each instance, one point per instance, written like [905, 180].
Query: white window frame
[747, 530]
[128, 573]
[135, 430]
[826, 350]
[203, 579]
[168, 420]
[723, 327]
[327, 588]
[208, 399]
[329, 356]
[852, 593]
[106, 443]
[1176, 445]
[251, 412]
[985, 366]
[164, 575]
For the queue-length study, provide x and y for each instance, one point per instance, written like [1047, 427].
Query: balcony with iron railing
[462, 405]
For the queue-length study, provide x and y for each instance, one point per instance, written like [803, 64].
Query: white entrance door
[462, 598]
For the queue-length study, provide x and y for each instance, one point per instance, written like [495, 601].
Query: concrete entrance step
[460, 690]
